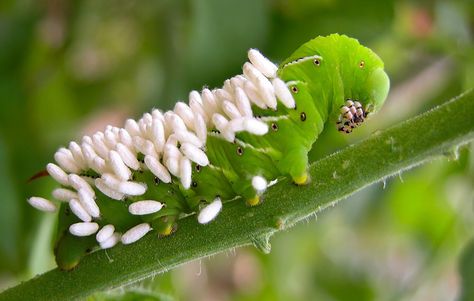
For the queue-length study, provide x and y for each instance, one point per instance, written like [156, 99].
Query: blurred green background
[68, 68]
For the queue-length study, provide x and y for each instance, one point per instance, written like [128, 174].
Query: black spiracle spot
[240, 151]
[294, 89]
[156, 180]
[141, 157]
[198, 168]
[303, 116]
[361, 64]
[317, 62]
[194, 184]
[274, 126]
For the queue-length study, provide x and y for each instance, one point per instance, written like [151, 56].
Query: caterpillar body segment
[224, 143]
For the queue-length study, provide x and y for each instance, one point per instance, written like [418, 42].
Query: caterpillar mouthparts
[352, 115]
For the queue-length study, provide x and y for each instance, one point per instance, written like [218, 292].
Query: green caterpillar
[119, 184]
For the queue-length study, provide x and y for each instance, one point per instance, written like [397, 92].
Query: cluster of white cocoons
[169, 141]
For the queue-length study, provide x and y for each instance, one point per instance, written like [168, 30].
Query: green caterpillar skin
[321, 75]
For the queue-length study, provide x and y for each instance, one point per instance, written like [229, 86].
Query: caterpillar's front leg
[295, 163]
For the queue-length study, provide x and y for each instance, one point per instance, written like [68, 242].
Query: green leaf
[385, 153]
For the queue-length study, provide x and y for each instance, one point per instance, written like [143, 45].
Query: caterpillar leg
[251, 189]
[295, 163]
[304, 179]
[259, 184]
[254, 201]
[167, 230]
[70, 249]
[165, 226]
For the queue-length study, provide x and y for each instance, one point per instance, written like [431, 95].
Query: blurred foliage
[71, 67]
[467, 272]
[132, 295]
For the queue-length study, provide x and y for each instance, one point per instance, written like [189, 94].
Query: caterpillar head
[365, 84]
[351, 76]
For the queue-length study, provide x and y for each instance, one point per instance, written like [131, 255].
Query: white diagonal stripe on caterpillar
[248, 145]
[303, 59]
[273, 118]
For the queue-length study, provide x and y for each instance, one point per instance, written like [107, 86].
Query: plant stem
[420, 139]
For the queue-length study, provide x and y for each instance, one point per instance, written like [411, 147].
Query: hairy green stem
[437, 132]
